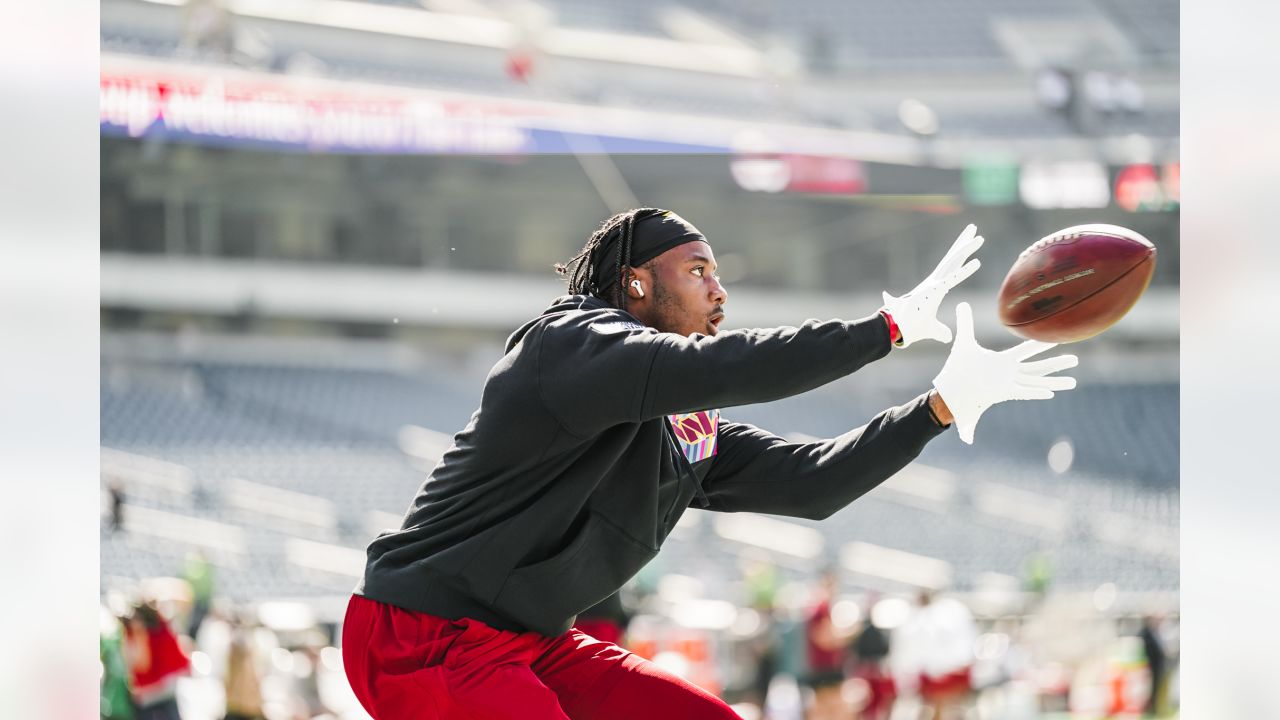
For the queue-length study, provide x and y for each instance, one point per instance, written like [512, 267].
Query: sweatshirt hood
[560, 306]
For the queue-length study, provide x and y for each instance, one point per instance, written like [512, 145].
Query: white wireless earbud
[636, 284]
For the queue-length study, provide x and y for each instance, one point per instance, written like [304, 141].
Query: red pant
[404, 664]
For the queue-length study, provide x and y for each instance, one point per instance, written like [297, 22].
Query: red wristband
[895, 335]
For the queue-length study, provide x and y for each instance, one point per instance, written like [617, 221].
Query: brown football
[1075, 283]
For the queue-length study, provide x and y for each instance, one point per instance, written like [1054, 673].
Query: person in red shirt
[825, 651]
[156, 661]
[869, 650]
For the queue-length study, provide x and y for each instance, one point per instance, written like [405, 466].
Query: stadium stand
[281, 471]
[613, 15]
[1153, 24]
[875, 39]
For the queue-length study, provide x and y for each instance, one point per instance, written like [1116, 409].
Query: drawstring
[699, 493]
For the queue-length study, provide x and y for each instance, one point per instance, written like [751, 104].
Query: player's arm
[763, 365]
[756, 471]
[597, 371]
[603, 372]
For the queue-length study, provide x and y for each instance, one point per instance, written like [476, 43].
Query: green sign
[990, 182]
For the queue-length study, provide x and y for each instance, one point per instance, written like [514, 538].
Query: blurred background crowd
[173, 647]
[320, 219]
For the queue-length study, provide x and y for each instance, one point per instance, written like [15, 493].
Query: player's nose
[719, 295]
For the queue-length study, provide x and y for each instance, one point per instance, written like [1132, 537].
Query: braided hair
[579, 272]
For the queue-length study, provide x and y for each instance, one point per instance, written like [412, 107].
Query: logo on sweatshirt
[696, 432]
[615, 326]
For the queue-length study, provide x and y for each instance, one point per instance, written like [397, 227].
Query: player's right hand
[916, 313]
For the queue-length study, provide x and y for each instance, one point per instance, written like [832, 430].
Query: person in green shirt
[115, 699]
[199, 575]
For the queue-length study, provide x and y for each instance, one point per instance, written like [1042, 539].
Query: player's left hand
[916, 313]
[975, 378]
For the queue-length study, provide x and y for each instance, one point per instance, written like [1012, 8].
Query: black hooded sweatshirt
[570, 475]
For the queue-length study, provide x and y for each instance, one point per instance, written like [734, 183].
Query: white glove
[916, 313]
[974, 378]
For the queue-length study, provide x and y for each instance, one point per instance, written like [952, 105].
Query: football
[1075, 283]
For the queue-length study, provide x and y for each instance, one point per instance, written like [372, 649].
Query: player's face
[686, 295]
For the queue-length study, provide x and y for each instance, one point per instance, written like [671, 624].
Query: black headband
[652, 235]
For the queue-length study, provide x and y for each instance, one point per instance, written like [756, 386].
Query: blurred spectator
[822, 52]
[206, 29]
[765, 645]
[244, 679]
[116, 493]
[199, 575]
[307, 701]
[763, 651]
[935, 649]
[116, 702]
[825, 652]
[607, 620]
[1037, 573]
[870, 649]
[1153, 647]
[155, 661]
[762, 583]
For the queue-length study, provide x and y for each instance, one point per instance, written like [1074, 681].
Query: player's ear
[638, 282]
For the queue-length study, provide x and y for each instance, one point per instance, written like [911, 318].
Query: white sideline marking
[923, 486]
[1130, 532]
[283, 504]
[334, 559]
[897, 565]
[145, 475]
[765, 532]
[185, 529]
[1032, 509]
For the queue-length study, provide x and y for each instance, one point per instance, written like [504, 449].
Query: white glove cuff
[915, 314]
[966, 407]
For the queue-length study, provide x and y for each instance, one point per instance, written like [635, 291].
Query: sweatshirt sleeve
[595, 371]
[755, 471]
